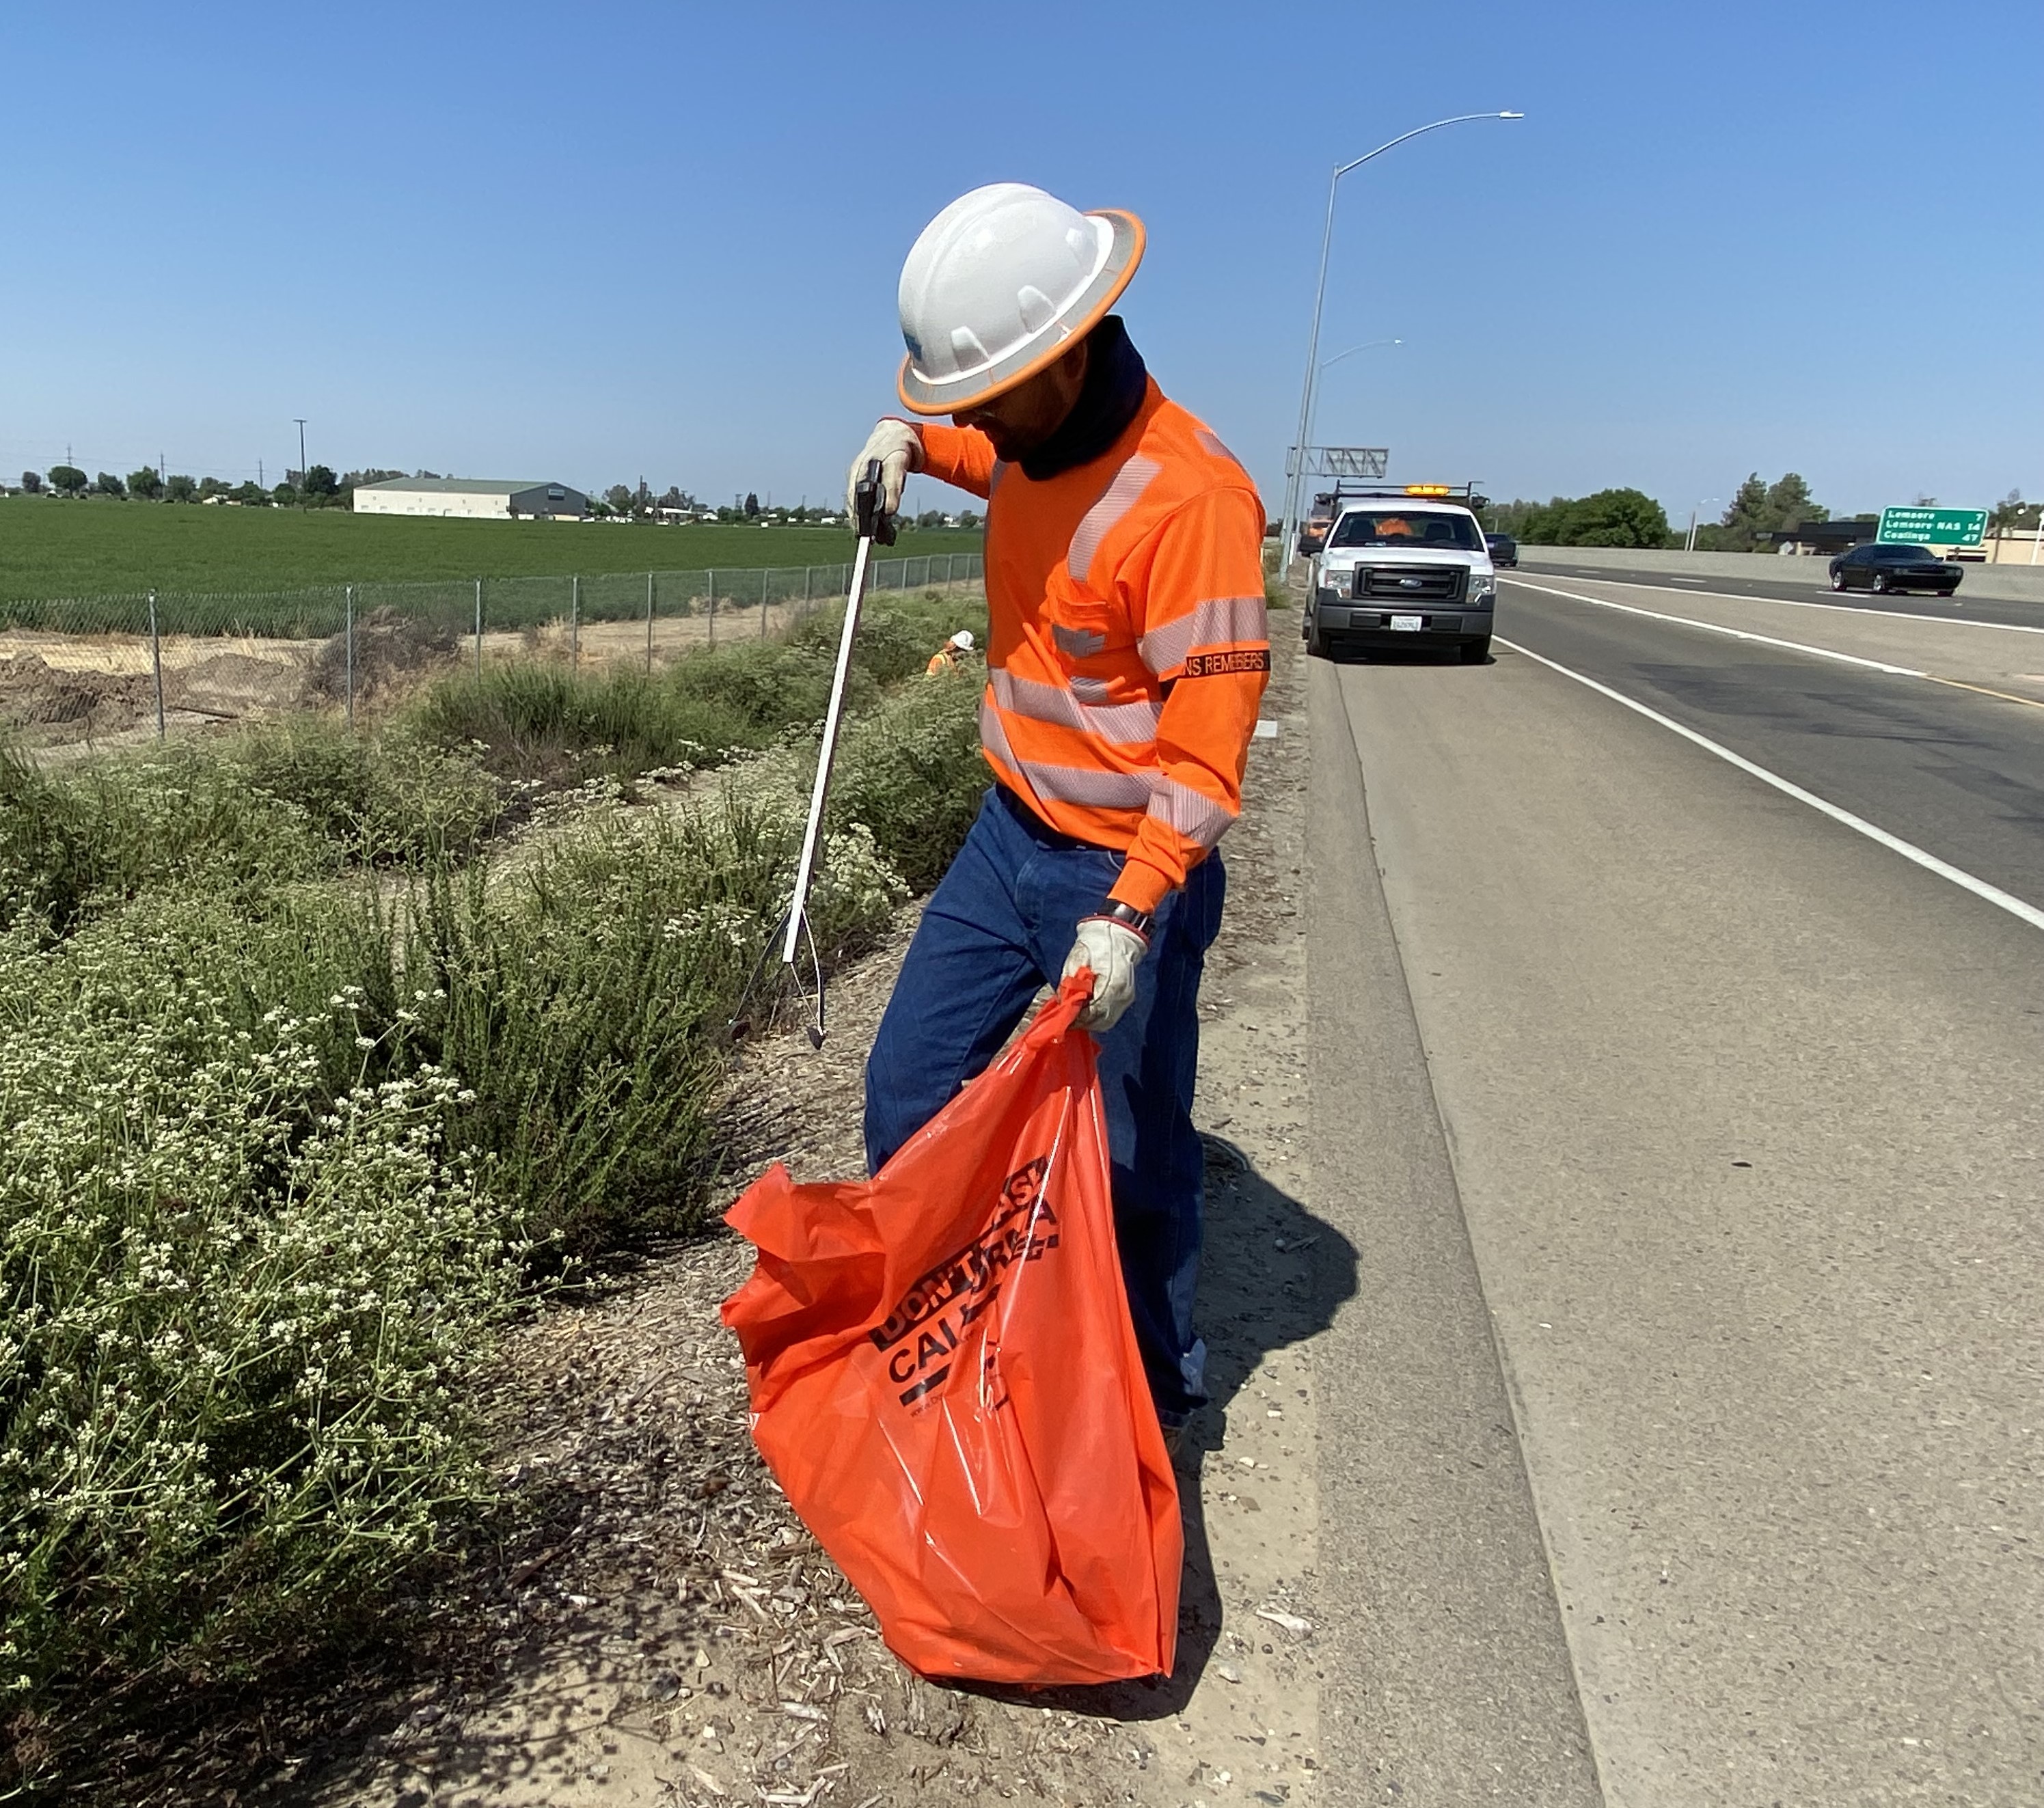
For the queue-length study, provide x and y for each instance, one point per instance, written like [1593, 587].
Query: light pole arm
[1342, 169]
[1294, 478]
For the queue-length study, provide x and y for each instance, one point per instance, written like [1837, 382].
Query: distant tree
[674, 498]
[429, 476]
[2011, 515]
[145, 484]
[931, 518]
[321, 486]
[31, 483]
[107, 484]
[210, 486]
[619, 496]
[1616, 517]
[285, 496]
[752, 505]
[68, 480]
[967, 518]
[251, 493]
[1789, 502]
[1758, 509]
[179, 488]
[1610, 517]
[1745, 517]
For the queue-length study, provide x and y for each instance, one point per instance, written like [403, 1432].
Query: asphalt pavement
[1693, 1131]
[1952, 771]
[1962, 606]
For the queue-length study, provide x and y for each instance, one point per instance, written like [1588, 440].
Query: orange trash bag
[946, 1385]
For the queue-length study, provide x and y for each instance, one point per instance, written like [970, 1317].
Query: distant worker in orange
[1127, 655]
[948, 657]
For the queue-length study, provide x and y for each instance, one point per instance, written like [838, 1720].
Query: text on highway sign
[1932, 526]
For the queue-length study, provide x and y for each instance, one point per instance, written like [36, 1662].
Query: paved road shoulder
[1449, 1680]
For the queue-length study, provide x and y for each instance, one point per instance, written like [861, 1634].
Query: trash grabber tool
[874, 525]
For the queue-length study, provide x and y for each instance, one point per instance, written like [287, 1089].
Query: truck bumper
[1345, 624]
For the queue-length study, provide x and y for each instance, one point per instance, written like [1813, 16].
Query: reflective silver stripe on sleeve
[1225, 621]
[1125, 724]
[1118, 497]
[1193, 814]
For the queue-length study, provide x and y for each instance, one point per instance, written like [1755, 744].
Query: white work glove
[895, 444]
[1112, 951]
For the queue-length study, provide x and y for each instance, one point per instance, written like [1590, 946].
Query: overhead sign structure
[1932, 526]
[1347, 461]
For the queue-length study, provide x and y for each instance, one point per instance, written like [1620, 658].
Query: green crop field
[51, 547]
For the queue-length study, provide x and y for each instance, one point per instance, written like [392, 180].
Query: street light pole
[1690, 546]
[1328, 364]
[1296, 468]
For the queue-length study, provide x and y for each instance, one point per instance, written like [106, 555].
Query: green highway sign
[1932, 526]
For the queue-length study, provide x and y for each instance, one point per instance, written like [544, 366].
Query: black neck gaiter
[1116, 382]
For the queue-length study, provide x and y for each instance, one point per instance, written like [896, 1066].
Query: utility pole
[301, 420]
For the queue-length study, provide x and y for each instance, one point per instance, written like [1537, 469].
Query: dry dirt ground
[670, 1634]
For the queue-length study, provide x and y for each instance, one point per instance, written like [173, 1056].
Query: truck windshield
[1392, 527]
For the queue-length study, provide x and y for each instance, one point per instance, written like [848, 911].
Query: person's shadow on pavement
[1272, 1275]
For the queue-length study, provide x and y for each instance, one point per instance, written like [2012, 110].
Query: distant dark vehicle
[1504, 549]
[1313, 529]
[1885, 570]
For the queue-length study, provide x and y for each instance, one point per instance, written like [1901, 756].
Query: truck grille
[1412, 583]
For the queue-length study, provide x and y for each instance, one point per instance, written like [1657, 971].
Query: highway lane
[1955, 771]
[1738, 1111]
[1962, 606]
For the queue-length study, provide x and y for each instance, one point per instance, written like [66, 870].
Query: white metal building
[469, 497]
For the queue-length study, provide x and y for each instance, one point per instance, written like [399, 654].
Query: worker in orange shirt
[947, 657]
[1127, 656]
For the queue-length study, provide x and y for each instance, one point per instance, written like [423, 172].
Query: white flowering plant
[240, 1304]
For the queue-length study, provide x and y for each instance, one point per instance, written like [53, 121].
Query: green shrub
[584, 1003]
[279, 1147]
[537, 718]
[240, 1298]
[393, 796]
[910, 773]
[80, 843]
[531, 719]
[244, 812]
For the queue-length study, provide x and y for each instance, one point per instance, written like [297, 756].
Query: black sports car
[1884, 569]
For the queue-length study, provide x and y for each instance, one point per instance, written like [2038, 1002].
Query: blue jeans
[996, 929]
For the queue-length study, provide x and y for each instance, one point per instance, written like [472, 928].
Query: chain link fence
[90, 670]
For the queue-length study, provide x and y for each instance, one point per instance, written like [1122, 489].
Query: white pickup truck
[1405, 567]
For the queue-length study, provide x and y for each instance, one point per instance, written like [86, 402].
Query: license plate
[1409, 623]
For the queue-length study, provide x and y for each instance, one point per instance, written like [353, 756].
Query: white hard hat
[963, 640]
[999, 284]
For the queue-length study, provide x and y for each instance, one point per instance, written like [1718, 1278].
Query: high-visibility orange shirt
[1128, 650]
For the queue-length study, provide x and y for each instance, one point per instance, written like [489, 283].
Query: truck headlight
[1482, 588]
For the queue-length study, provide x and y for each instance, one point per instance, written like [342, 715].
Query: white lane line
[1734, 633]
[1811, 603]
[1930, 862]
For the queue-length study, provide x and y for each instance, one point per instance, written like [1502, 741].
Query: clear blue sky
[590, 242]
